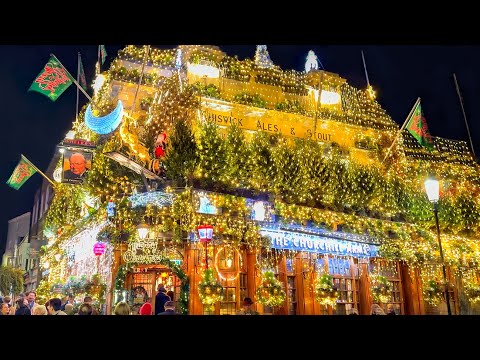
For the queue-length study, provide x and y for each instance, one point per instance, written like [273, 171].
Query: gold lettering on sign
[143, 252]
[274, 122]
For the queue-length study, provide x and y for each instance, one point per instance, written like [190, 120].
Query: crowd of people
[164, 305]
[26, 304]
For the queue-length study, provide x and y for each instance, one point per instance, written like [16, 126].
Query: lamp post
[432, 188]
[205, 234]
[143, 230]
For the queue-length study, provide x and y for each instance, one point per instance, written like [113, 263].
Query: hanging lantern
[205, 233]
[143, 230]
[99, 248]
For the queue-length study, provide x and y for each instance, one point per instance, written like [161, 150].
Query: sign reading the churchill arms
[257, 119]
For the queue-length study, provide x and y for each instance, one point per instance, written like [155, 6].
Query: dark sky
[33, 125]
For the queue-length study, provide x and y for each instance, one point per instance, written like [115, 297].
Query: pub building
[355, 229]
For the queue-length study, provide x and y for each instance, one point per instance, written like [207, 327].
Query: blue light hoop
[104, 124]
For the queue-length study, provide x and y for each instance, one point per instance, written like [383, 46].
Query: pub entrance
[143, 282]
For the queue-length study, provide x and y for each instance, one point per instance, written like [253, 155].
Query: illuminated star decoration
[371, 93]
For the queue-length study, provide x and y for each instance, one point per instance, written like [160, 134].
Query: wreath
[209, 288]
[271, 292]
[432, 292]
[472, 291]
[325, 291]
[381, 288]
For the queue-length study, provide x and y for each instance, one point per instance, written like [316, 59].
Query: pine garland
[209, 289]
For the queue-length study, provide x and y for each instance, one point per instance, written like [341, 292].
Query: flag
[22, 173]
[81, 75]
[417, 126]
[53, 80]
[102, 53]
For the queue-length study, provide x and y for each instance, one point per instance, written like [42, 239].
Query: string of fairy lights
[309, 181]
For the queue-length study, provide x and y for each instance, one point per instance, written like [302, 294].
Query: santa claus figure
[160, 145]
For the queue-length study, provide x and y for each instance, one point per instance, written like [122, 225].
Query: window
[291, 295]
[390, 269]
[229, 305]
[346, 280]
[290, 264]
[243, 286]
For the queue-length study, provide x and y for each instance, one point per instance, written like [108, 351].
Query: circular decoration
[104, 124]
[271, 292]
[432, 293]
[471, 289]
[57, 174]
[325, 292]
[220, 248]
[209, 288]
[381, 288]
[99, 248]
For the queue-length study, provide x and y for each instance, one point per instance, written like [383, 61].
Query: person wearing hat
[169, 308]
[146, 309]
[247, 307]
[160, 299]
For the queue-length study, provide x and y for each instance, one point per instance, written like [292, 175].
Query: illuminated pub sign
[274, 122]
[289, 240]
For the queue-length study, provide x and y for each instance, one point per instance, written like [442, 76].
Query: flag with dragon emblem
[417, 126]
[22, 173]
[53, 80]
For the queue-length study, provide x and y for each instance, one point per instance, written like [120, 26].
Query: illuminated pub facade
[316, 223]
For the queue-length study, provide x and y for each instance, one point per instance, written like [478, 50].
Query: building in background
[18, 229]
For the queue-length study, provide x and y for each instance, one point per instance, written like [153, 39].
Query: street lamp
[432, 188]
[205, 234]
[142, 230]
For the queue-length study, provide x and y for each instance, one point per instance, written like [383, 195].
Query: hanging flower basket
[271, 292]
[381, 289]
[432, 292]
[325, 291]
[209, 288]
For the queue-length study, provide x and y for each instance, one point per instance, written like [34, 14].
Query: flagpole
[145, 58]
[464, 116]
[81, 89]
[365, 68]
[399, 131]
[78, 80]
[40, 172]
[99, 62]
[75, 81]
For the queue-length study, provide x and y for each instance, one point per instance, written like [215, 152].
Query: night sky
[33, 125]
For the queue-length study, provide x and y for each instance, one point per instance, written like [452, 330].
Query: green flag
[102, 53]
[81, 75]
[53, 80]
[417, 126]
[22, 173]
